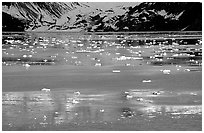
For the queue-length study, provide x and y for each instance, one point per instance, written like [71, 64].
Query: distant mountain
[59, 16]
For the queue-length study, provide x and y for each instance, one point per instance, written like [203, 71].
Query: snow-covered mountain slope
[149, 16]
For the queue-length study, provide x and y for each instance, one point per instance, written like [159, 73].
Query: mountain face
[59, 16]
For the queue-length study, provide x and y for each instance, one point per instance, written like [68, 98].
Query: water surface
[104, 81]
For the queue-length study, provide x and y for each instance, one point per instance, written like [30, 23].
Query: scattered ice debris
[98, 64]
[75, 101]
[147, 81]
[26, 66]
[93, 58]
[116, 71]
[74, 57]
[44, 117]
[57, 113]
[30, 56]
[129, 96]
[102, 110]
[140, 99]
[24, 56]
[151, 116]
[45, 89]
[194, 94]
[188, 70]
[156, 93]
[166, 71]
[76, 93]
[127, 64]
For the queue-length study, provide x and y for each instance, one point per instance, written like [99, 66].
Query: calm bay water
[104, 81]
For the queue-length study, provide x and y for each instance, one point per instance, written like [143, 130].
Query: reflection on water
[40, 109]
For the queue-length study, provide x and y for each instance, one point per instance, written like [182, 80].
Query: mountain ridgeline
[76, 16]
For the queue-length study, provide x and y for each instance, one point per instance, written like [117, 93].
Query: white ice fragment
[57, 113]
[188, 70]
[77, 93]
[116, 71]
[140, 99]
[45, 89]
[26, 66]
[147, 81]
[166, 71]
[156, 93]
[98, 64]
[101, 110]
[127, 64]
[30, 56]
[44, 117]
[24, 56]
[194, 94]
[129, 96]
[74, 57]
[75, 101]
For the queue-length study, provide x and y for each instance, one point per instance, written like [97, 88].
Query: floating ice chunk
[140, 99]
[24, 56]
[166, 71]
[98, 64]
[102, 110]
[74, 57]
[93, 58]
[116, 71]
[129, 96]
[26, 66]
[194, 94]
[45, 89]
[188, 70]
[57, 113]
[44, 117]
[147, 81]
[127, 64]
[156, 93]
[75, 101]
[76, 93]
[30, 56]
